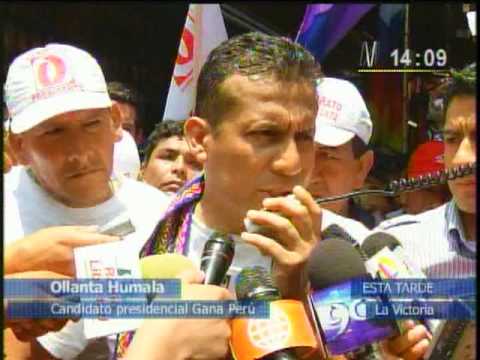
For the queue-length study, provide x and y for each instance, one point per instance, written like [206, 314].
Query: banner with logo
[204, 30]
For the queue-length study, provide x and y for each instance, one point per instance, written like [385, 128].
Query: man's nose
[179, 166]
[288, 162]
[466, 152]
[76, 151]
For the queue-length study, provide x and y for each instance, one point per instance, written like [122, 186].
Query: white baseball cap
[49, 81]
[342, 113]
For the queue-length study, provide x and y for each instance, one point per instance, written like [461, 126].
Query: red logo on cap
[49, 70]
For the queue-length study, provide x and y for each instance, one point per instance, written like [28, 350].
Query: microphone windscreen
[377, 241]
[254, 281]
[336, 231]
[165, 266]
[334, 261]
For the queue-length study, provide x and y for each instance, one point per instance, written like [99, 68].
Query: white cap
[126, 160]
[342, 113]
[49, 81]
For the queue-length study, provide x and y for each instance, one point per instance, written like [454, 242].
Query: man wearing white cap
[63, 130]
[342, 158]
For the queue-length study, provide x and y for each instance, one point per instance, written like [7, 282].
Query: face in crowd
[460, 148]
[339, 170]
[170, 164]
[71, 154]
[128, 116]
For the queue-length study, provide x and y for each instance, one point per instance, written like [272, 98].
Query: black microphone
[332, 267]
[216, 258]
[336, 231]
[255, 283]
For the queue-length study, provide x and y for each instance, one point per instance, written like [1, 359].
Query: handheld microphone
[274, 338]
[336, 231]
[216, 258]
[164, 266]
[382, 244]
[387, 260]
[333, 265]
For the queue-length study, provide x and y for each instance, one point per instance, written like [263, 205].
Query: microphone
[274, 338]
[387, 260]
[332, 268]
[164, 266]
[216, 258]
[336, 231]
[396, 263]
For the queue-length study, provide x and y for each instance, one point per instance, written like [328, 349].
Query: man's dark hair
[163, 130]
[462, 83]
[359, 147]
[122, 92]
[255, 55]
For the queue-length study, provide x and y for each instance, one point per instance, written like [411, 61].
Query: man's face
[263, 145]
[71, 155]
[128, 116]
[460, 148]
[171, 164]
[337, 172]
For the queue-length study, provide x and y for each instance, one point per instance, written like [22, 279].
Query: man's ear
[365, 163]
[17, 146]
[116, 121]
[197, 132]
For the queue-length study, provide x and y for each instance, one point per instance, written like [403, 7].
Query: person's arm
[181, 339]
[50, 249]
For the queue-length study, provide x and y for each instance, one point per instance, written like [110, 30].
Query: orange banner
[287, 327]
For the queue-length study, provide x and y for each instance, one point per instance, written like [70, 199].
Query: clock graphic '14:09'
[429, 58]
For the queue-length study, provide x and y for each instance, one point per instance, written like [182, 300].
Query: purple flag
[324, 25]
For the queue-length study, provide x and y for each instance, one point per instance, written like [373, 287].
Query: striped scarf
[170, 235]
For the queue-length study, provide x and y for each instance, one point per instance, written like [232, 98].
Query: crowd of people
[267, 123]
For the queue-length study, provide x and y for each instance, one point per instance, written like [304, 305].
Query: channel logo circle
[270, 333]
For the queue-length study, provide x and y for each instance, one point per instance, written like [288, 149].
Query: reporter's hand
[195, 339]
[28, 329]
[412, 345]
[51, 249]
[295, 230]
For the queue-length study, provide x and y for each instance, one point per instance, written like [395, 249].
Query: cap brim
[42, 110]
[332, 136]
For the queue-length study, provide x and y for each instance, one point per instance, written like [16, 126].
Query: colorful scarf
[170, 235]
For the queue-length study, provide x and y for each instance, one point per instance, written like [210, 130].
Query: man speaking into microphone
[253, 129]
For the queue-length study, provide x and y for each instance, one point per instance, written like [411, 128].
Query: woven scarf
[170, 235]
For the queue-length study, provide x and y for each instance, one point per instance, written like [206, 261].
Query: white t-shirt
[29, 208]
[247, 255]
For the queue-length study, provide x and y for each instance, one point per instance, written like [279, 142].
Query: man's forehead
[73, 116]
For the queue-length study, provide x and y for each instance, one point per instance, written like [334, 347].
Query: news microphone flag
[324, 25]
[203, 31]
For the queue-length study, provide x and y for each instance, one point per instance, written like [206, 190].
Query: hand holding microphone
[286, 229]
[279, 337]
[185, 338]
[388, 259]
